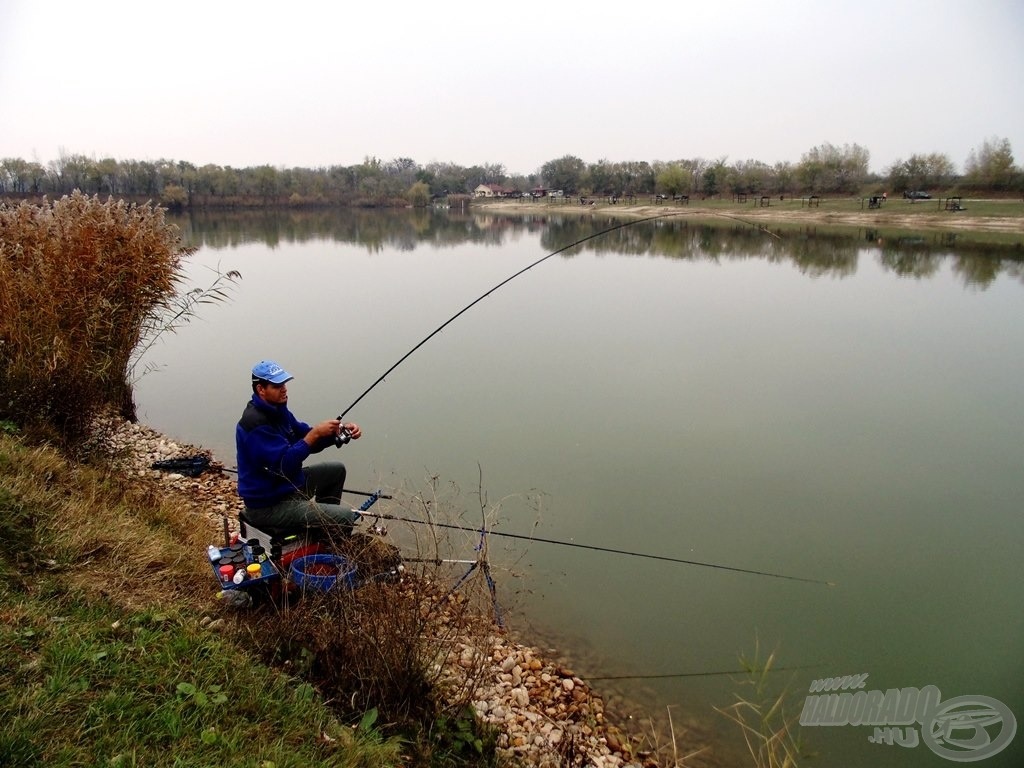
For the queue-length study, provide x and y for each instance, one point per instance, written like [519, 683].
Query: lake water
[838, 406]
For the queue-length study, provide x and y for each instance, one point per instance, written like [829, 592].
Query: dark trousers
[320, 502]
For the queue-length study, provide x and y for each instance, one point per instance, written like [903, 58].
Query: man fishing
[272, 445]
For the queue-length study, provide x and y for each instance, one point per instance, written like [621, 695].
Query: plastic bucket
[323, 572]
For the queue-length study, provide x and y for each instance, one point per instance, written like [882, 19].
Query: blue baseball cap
[268, 370]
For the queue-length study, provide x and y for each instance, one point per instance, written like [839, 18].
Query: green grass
[984, 208]
[92, 684]
[770, 732]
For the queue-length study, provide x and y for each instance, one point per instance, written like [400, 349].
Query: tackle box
[237, 556]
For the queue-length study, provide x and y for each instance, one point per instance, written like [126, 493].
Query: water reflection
[814, 251]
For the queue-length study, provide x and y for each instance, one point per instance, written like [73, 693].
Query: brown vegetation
[79, 282]
[85, 285]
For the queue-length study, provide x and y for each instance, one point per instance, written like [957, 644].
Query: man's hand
[331, 428]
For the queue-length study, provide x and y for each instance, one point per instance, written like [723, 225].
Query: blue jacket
[270, 451]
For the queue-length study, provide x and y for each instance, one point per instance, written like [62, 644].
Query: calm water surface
[837, 407]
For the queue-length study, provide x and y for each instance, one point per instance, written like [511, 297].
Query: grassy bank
[121, 655]
[112, 657]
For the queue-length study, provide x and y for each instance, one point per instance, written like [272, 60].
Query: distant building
[489, 190]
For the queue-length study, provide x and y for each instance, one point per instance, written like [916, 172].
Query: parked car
[917, 195]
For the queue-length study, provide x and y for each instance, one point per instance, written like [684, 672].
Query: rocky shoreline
[541, 709]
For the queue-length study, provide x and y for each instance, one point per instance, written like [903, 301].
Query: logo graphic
[962, 729]
[959, 729]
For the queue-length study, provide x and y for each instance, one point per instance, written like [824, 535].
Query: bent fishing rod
[344, 438]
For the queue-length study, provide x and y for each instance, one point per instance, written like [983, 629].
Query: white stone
[520, 697]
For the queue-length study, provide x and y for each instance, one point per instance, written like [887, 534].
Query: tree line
[823, 169]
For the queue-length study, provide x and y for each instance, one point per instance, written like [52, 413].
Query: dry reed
[81, 284]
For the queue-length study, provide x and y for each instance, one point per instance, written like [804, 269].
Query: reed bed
[83, 283]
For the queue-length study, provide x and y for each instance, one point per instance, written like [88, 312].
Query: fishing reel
[342, 437]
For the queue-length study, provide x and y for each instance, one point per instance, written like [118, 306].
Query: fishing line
[446, 323]
[613, 551]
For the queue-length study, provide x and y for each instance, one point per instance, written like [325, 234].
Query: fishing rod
[378, 495]
[622, 225]
[592, 547]
[758, 227]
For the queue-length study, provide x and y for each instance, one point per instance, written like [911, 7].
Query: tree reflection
[909, 263]
[814, 251]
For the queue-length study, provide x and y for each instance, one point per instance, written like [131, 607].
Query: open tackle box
[242, 565]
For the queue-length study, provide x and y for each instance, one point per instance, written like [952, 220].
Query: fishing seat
[285, 544]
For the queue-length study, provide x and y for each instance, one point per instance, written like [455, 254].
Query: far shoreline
[897, 214]
[997, 217]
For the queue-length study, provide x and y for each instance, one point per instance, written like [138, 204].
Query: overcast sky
[316, 83]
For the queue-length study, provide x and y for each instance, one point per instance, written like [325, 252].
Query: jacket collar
[278, 411]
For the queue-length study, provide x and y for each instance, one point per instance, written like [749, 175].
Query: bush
[174, 198]
[81, 285]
